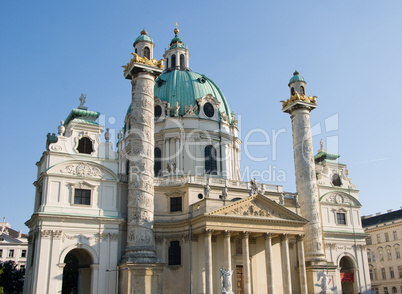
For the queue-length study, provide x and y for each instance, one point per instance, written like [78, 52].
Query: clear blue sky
[348, 51]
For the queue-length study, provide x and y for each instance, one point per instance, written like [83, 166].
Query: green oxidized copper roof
[325, 156]
[176, 42]
[143, 37]
[296, 78]
[186, 87]
[81, 115]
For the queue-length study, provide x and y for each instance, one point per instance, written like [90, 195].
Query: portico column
[268, 262]
[226, 251]
[208, 263]
[287, 284]
[302, 265]
[246, 263]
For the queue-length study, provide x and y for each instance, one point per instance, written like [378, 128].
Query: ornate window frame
[175, 194]
[163, 105]
[82, 185]
[77, 141]
[214, 102]
[341, 210]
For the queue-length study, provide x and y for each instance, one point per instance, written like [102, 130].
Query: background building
[384, 250]
[13, 245]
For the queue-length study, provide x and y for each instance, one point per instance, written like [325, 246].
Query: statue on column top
[82, 102]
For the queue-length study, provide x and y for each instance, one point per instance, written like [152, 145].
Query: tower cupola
[177, 56]
[297, 84]
[144, 45]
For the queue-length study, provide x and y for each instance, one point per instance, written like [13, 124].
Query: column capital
[227, 233]
[300, 237]
[268, 236]
[245, 234]
[208, 232]
[284, 237]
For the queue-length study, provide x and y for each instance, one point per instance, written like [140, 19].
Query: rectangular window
[395, 235]
[11, 253]
[381, 255]
[400, 271]
[391, 272]
[371, 274]
[341, 219]
[1, 253]
[375, 274]
[386, 290]
[378, 238]
[383, 275]
[23, 253]
[82, 196]
[373, 256]
[386, 237]
[369, 256]
[175, 204]
[397, 253]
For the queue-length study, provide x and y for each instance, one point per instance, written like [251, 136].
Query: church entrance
[347, 275]
[239, 279]
[77, 272]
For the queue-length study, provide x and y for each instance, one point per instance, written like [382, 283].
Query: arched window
[85, 146]
[292, 91]
[397, 252]
[136, 51]
[128, 167]
[210, 160]
[158, 162]
[302, 90]
[147, 53]
[174, 254]
[173, 62]
[209, 109]
[182, 66]
[336, 180]
[167, 62]
[158, 111]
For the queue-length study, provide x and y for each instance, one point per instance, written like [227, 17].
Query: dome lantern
[297, 84]
[177, 56]
[144, 45]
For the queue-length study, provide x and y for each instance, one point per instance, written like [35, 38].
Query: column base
[141, 278]
[316, 279]
[140, 256]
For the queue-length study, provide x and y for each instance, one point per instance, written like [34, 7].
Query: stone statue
[254, 187]
[168, 108]
[297, 200]
[176, 109]
[82, 100]
[107, 135]
[171, 167]
[61, 128]
[120, 135]
[321, 145]
[234, 120]
[207, 188]
[224, 116]
[225, 192]
[226, 280]
[325, 282]
[281, 199]
[190, 110]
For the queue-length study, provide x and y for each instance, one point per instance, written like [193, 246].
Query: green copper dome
[296, 78]
[186, 87]
[144, 38]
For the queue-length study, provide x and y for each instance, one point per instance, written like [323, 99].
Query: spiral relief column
[140, 269]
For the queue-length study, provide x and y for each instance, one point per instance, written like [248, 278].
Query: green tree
[11, 278]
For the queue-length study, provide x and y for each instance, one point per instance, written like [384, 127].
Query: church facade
[167, 212]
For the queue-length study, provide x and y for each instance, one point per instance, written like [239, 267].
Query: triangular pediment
[257, 207]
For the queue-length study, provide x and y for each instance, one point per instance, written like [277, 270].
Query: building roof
[82, 114]
[324, 156]
[296, 78]
[143, 38]
[186, 87]
[382, 218]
